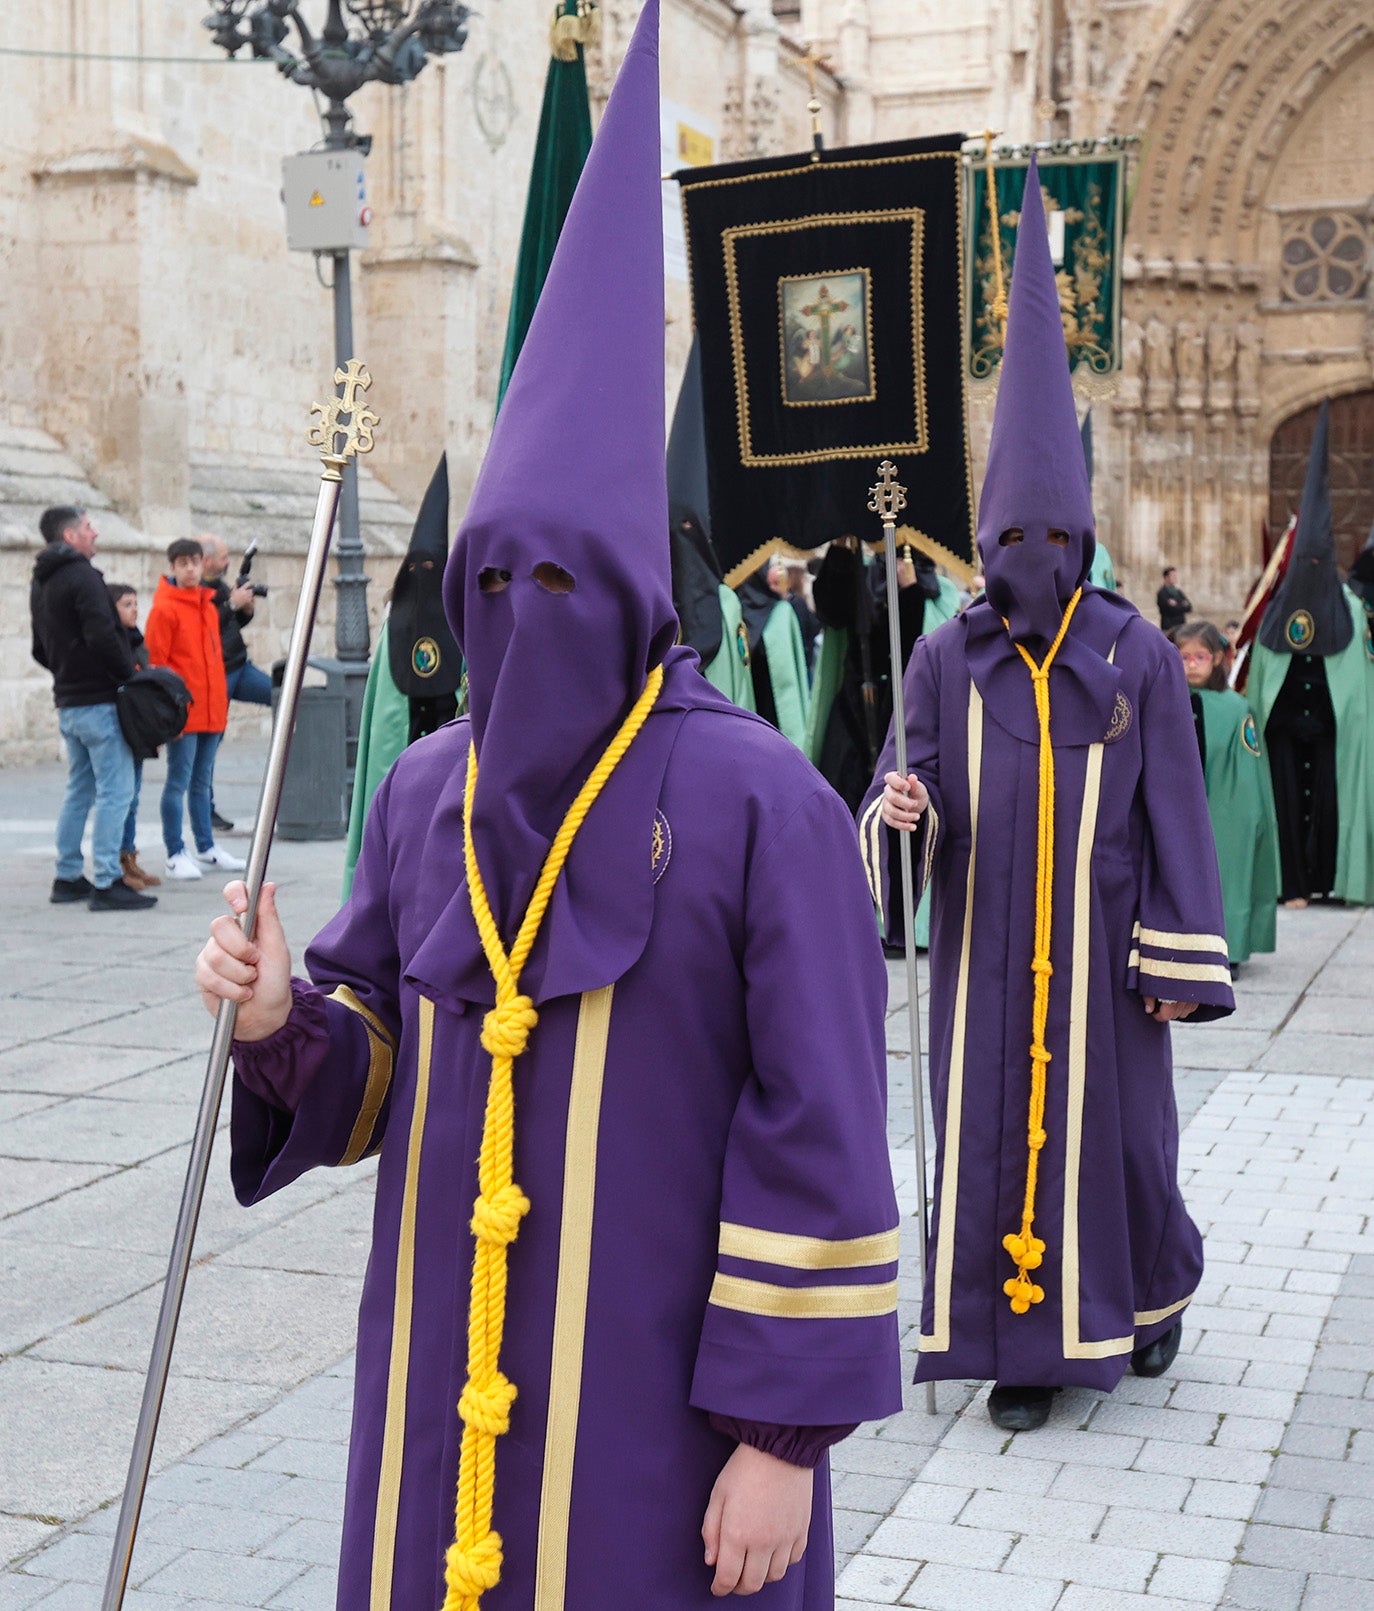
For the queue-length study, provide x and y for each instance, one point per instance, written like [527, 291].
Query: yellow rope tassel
[1027, 1249]
[473, 1562]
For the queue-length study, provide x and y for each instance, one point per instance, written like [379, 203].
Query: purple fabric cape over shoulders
[1136, 911]
[699, 1127]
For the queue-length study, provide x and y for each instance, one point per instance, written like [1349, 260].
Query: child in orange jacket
[182, 633]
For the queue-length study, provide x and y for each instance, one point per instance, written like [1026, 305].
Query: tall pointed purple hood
[574, 480]
[1037, 479]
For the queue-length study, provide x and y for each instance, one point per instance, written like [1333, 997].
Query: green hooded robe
[1350, 680]
[1240, 799]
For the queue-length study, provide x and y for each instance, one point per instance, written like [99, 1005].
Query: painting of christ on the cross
[826, 348]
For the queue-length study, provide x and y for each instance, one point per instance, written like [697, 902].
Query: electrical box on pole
[326, 201]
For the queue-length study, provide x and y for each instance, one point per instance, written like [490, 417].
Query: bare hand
[255, 973]
[906, 573]
[241, 598]
[904, 799]
[757, 1521]
[1167, 1011]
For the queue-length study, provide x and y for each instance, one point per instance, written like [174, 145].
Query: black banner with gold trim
[827, 300]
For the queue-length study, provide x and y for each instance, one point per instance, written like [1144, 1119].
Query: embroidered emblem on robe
[663, 845]
[1300, 629]
[742, 643]
[1249, 735]
[1120, 723]
[424, 657]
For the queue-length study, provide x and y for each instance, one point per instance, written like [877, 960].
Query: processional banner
[827, 299]
[1084, 193]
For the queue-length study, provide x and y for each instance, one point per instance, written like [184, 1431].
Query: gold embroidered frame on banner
[920, 441]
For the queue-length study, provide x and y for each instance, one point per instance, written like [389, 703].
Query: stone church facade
[160, 347]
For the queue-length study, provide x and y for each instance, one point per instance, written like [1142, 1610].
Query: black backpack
[153, 706]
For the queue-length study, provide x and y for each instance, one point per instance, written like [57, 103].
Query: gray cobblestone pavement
[1243, 1479]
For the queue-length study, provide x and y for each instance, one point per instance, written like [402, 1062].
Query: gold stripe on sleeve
[346, 998]
[382, 1059]
[808, 1252]
[1181, 942]
[803, 1303]
[570, 1302]
[1201, 972]
[398, 1372]
[870, 826]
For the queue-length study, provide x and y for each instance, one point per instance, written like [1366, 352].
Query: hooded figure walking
[1076, 909]
[1311, 686]
[634, 1255]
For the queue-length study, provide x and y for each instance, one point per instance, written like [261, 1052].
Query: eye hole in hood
[553, 578]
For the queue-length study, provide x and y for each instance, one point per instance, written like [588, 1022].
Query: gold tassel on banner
[569, 29]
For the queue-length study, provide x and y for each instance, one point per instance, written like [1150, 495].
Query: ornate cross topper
[889, 496]
[356, 431]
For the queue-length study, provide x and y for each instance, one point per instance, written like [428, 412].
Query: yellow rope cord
[1027, 1249]
[473, 1562]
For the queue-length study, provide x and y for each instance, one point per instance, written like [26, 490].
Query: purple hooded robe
[1136, 911]
[699, 1116]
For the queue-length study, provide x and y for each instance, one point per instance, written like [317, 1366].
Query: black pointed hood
[1309, 614]
[696, 570]
[425, 660]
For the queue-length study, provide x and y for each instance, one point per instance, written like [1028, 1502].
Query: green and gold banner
[1084, 196]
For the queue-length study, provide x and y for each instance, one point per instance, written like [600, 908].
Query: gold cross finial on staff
[888, 498]
[811, 61]
[352, 381]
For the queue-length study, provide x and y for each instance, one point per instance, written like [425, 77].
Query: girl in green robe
[1240, 795]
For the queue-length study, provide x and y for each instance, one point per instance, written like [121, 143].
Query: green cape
[383, 732]
[729, 671]
[1240, 799]
[1102, 572]
[787, 672]
[1350, 678]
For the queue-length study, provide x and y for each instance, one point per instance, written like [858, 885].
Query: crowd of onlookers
[86, 633]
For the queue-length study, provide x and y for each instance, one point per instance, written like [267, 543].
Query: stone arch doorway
[1352, 469]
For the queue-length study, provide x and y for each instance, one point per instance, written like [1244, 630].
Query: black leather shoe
[1020, 1409]
[223, 824]
[1156, 1357]
[70, 889]
[120, 897]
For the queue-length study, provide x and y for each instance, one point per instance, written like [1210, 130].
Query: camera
[246, 572]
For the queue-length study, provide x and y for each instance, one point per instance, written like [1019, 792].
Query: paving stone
[1259, 1588]
[954, 1588]
[1100, 1565]
[1211, 1537]
[1187, 1578]
[314, 1542]
[1080, 1597]
[1336, 1594]
[1291, 1507]
[1033, 1516]
[314, 1590]
[1300, 1550]
[1145, 1490]
[242, 1580]
[904, 1538]
[1236, 1500]
[877, 1578]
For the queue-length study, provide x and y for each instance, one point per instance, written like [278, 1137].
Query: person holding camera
[235, 604]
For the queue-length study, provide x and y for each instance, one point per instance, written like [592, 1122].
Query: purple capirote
[1037, 478]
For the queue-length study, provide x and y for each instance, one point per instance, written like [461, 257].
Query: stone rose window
[1324, 257]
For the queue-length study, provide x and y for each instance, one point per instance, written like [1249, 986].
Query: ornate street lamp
[380, 41]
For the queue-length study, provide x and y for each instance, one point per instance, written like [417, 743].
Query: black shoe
[120, 897]
[222, 823]
[70, 889]
[1020, 1409]
[1156, 1357]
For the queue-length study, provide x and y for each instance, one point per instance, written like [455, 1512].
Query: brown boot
[134, 875]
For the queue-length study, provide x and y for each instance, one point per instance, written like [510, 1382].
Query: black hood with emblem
[1309, 614]
[425, 659]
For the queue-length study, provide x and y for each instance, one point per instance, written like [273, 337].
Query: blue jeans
[100, 772]
[249, 685]
[190, 777]
[129, 842]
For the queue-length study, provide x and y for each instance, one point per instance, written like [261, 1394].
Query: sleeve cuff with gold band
[828, 1308]
[1176, 965]
[876, 842]
[315, 1093]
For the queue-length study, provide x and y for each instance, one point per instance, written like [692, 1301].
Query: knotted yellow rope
[1027, 1249]
[473, 1562]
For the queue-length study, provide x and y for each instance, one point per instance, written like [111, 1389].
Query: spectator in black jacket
[1173, 602]
[78, 637]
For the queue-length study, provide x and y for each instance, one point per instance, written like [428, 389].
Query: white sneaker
[217, 856]
[181, 866]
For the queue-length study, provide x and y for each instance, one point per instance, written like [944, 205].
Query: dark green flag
[565, 138]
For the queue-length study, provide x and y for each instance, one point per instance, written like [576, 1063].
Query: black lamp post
[381, 41]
